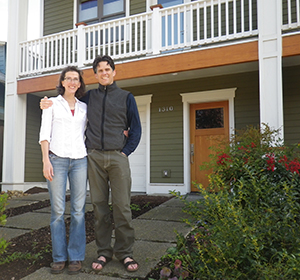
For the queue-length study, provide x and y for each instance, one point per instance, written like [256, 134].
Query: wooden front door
[209, 123]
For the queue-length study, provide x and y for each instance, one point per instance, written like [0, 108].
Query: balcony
[182, 28]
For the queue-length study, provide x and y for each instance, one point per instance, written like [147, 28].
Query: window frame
[100, 17]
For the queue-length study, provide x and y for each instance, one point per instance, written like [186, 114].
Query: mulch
[35, 246]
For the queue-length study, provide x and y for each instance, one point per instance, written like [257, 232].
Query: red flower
[294, 166]
[271, 162]
[222, 158]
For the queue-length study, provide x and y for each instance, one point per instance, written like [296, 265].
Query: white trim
[157, 188]
[270, 64]
[75, 3]
[145, 100]
[201, 97]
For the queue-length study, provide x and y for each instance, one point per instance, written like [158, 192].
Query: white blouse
[64, 132]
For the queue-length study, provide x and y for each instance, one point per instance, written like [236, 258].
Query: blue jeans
[76, 171]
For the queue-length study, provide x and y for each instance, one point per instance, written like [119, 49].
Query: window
[169, 3]
[92, 11]
[88, 10]
[209, 118]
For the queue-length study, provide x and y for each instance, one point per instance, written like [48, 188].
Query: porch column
[15, 106]
[270, 63]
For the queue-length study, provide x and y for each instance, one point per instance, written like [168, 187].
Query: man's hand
[45, 103]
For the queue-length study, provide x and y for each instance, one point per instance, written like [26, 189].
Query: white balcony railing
[162, 30]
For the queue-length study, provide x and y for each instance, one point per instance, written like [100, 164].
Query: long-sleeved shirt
[63, 131]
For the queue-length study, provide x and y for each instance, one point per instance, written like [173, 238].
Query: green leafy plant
[135, 207]
[26, 255]
[246, 226]
[3, 203]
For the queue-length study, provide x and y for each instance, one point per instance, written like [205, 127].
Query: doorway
[209, 124]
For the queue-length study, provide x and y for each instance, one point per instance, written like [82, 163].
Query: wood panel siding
[291, 101]
[58, 16]
[33, 155]
[137, 7]
[166, 139]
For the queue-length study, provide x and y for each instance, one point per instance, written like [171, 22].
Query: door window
[209, 118]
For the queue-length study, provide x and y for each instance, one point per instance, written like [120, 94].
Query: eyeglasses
[70, 80]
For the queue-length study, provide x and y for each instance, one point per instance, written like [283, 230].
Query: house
[198, 70]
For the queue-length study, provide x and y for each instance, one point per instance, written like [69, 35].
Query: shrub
[3, 202]
[249, 228]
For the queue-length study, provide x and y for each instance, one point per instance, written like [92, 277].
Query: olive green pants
[109, 170]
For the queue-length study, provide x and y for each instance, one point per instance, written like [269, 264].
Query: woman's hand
[48, 170]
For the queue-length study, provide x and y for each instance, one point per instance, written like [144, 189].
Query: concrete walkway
[155, 233]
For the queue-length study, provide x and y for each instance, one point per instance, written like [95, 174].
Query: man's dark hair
[99, 59]
[61, 90]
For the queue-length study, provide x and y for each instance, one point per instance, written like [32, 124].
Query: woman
[64, 157]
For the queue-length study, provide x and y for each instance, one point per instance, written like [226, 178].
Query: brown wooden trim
[80, 23]
[38, 84]
[291, 45]
[156, 6]
[193, 60]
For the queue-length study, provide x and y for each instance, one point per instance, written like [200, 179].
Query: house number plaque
[165, 109]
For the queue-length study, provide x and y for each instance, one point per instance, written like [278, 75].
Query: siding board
[137, 7]
[58, 16]
[291, 100]
[33, 155]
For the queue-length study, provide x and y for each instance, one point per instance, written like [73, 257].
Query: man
[110, 112]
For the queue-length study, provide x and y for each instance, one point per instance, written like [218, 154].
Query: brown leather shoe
[74, 267]
[57, 267]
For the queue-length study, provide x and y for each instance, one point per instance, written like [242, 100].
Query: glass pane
[209, 118]
[169, 3]
[112, 7]
[88, 10]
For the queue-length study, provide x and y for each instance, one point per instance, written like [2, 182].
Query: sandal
[74, 267]
[57, 267]
[128, 263]
[103, 263]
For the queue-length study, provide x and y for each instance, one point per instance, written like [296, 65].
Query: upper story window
[169, 3]
[92, 11]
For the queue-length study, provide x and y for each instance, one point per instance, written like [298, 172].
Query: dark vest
[107, 118]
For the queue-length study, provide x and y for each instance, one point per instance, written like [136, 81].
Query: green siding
[58, 16]
[33, 155]
[166, 139]
[291, 101]
[166, 129]
[137, 7]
